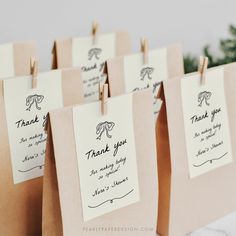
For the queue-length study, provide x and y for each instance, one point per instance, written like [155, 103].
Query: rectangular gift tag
[206, 122]
[91, 58]
[26, 113]
[138, 76]
[106, 156]
[6, 60]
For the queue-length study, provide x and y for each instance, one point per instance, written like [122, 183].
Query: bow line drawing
[94, 52]
[104, 127]
[204, 96]
[146, 72]
[34, 99]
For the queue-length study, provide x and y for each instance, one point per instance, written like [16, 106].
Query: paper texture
[106, 156]
[206, 122]
[139, 76]
[6, 60]
[91, 58]
[26, 111]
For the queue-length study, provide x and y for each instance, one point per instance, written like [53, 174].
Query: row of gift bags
[117, 165]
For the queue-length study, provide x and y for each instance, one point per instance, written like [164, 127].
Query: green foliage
[227, 47]
[190, 63]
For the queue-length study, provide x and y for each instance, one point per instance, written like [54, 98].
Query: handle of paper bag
[144, 50]
[202, 68]
[95, 27]
[34, 71]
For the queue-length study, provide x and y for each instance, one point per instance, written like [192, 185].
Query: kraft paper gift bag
[90, 53]
[196, 150]
[144, 70]
[15, 58]
[100, 172]
[23, 113]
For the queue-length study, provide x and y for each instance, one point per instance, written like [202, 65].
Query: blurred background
[192, 23]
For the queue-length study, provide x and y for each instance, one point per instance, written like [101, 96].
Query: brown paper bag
[186, 203]
[62, 201]
[62, 52]
[21, 204]
[90, 53]
[15, 58]
[144, 70]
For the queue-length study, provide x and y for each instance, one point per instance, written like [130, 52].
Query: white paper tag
[206, 122]
[106, 156]
[138, 76]
[26, 111]
[6, 61]
[91, 58]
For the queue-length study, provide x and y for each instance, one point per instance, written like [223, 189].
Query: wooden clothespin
[144, 50]
[104, 97]
[34, 71]
[202, 68]
[95, 27]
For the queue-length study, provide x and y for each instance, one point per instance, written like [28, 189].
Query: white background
[191, 22]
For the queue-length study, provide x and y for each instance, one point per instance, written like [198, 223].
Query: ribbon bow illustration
[104, 127]
[94, 52]
[204, 96]
[146, 72]
[34, 99]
